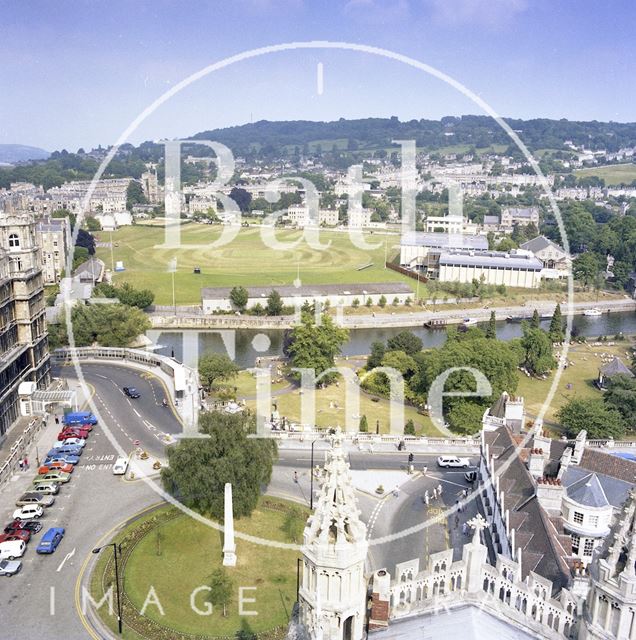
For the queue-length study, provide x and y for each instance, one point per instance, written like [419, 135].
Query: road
[43, 598]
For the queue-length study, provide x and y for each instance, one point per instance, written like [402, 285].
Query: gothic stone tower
[610, 609]
[333, 590]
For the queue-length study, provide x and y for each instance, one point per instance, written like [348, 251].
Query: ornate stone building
[24, 353]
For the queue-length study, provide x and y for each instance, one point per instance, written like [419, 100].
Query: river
[248, 344]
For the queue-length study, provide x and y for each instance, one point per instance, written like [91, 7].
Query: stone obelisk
[229, 547]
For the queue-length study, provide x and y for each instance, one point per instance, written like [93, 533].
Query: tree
[585, 268]
[377, 353]
[535, 323]
[80, 255]
[621, 395]
[221, 588]
[369, 302]
[134, 195]
[409, 428]
[382, 302]
[239, 297]
[405, 341]
[593, 415]
[86, 240]
[465, 417]
[109, 325]
[364, 425]
[537, 346]
[294, 524]
[316, 346]
[401, 362]
[242, 198]
[556, 326]
[491, 329]
[92, 224]
[215, 367]
[274, 304]
[199, 468]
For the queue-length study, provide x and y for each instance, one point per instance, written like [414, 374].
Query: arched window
[14, 241]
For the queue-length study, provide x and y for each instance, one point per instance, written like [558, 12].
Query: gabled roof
[615, 368]
[609, 465]
[588, 492]
[539, 243]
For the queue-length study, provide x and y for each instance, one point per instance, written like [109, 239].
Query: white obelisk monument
[229, 548]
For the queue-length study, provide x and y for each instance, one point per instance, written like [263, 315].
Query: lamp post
[116, 550]
[311, 478]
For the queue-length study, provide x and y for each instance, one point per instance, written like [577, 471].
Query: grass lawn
[244, 385]
[184, 557]
[580, 375]
[246, 260]
[613, 174]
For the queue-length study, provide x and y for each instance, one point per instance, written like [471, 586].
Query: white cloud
[377, 11]
[492, 13]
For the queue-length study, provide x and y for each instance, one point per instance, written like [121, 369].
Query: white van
[12, 549]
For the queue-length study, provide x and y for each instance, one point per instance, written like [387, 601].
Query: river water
[248, 344]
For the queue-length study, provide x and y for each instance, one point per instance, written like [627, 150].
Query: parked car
[75, 442]
[52, 476]
[64, 450]
[29, 525]
[28, 511]
[63, 459]
[470, 476]
[18, 534]
[453, 461]
[48, 488]
[79, 417]
[9, 567]
[66, 467]
[65, 434]
[12, 549]
[131, 392]
[34, 497]
[120, 466]
[50, 540]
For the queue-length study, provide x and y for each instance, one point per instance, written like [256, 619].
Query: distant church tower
[610, 609]
[333, 590]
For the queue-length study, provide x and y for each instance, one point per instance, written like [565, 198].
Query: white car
[28, 511]
[453, 461]
[12, 549]
[120, 466]
[9, 567]
[76, 442]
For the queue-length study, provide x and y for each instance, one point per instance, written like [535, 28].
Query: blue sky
[76, 73]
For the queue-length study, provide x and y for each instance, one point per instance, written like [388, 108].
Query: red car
[72, 433]
[57, 466]
[18, 534]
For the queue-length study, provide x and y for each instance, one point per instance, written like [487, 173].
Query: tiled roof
[609, 465]
[588, 492]
[616, 368]
[616, 491]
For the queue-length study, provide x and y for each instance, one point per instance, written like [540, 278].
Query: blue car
[79, 417]
[66, 458]
[50, 540]
[71, 450]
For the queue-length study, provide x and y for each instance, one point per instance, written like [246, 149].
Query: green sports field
[612, 174]
[246, 260]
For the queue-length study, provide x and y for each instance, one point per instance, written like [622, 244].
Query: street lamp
[311, 478]
[116, 550]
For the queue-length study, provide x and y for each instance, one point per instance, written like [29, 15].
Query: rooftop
[444, 240]
[491, 259]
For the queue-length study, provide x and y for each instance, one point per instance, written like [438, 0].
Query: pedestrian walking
[296, 477]
[26, 463]
[57, 419]
[435, 493]
[465, 529]
[21, 464]
[439, 489]
[426, 497]
[456, 521]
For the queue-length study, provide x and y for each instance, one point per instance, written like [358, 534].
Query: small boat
[470, 322]
[436, 323]
[593, 313]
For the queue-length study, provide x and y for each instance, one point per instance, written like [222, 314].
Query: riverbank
[193, 317]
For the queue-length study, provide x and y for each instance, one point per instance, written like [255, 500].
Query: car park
[18, 534]
[79, 417]
[34, 497]
[63, 450]
[52, 476]
[74, 442]
[9, 567]
[12, 549]
[120, 466]
[28, 525]
[63, 459]
[66, 467]
[131, 392]
[50, 540]
[453, 461]
[28, 511]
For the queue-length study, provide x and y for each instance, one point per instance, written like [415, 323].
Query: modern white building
[514, 269]
[450, 224]
[420, 250]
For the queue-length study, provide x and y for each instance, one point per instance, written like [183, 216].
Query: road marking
[68, 556]
[137, 413]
